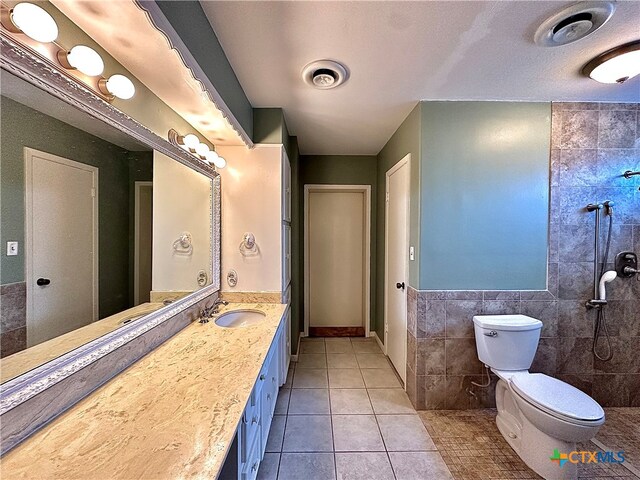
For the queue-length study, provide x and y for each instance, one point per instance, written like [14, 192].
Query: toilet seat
[557, 398]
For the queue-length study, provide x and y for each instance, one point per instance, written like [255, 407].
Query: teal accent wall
[484, 195]
[190, 22]
[341, 170]
[20, 127]
[405, 140]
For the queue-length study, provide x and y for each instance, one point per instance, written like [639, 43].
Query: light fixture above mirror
[81, 62]
[200, 150]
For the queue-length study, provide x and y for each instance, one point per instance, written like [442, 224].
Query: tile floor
[344, 415]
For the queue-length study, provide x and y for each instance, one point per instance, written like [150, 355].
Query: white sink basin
[240, 318]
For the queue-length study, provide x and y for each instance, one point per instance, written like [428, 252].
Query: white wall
[251, 202]
[181, 203]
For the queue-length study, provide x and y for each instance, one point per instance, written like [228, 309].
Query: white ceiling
[402, 52]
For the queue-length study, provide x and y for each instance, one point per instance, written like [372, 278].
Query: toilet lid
[557, 397]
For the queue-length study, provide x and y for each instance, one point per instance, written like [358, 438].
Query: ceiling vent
[324, 74]
[573, 23]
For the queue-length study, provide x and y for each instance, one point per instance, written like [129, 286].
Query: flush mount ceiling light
[33, 21]
[325, 74]
[573, 23]
[118, 86]
[616, 65]
[83, 59]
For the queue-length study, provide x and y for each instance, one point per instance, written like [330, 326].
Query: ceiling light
[34, 22]
[82, 58]
[202, 149]
[324, 78]
[616, 65]
[118, 86]
[191, 141]
[220, 162]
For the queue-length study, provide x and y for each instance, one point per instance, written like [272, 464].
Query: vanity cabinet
[255, 424]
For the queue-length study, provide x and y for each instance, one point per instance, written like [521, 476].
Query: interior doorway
[396, 258]
[143, 242]
[337, 260]
[61, 250]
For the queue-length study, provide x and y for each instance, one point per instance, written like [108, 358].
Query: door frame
[29, 153]
[136, 237]
[366, 189]
[406, 160]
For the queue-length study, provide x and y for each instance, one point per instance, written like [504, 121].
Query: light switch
[412, 254]
[12, 249]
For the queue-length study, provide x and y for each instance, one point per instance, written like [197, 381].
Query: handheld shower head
[607, 277]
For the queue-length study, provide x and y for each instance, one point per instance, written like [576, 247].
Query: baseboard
[380, 344]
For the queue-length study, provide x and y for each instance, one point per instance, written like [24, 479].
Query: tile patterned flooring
[343, 415]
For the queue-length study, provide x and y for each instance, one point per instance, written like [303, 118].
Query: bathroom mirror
[98, 229]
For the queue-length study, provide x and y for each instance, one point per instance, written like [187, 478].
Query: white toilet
[536, 413]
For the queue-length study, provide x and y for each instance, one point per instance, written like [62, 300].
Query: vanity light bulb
[34, 22]
[86, 60]
[191, 141]
[202, 149]
[211, 157]
[121, 87]
[220, 162]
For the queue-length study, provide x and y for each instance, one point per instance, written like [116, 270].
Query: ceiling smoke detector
[573, 23]
[324, 74]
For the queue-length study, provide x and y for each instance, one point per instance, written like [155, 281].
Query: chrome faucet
[207, 312]
[217, 303]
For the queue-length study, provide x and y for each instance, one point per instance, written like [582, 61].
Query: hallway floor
[343, 415]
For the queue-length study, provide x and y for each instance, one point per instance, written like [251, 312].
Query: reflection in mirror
[85, 229]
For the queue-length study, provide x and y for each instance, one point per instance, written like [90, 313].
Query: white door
[336, 258]
[396, 256]
[61, 245]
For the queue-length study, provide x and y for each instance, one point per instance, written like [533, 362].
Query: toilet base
[533, 446]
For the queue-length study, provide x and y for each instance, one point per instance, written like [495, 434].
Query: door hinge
[386, 327]
[93, 193]
[387, 197]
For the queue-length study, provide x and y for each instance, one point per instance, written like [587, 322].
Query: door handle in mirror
[41, 282]
[400, 286]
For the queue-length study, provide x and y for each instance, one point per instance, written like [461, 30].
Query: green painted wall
[340, 170]
[269, 126]
[20, 127]
[484, 195]
[405, 140]
[191, 24]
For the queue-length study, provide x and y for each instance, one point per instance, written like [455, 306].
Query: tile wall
[592, 145]
[13, 318]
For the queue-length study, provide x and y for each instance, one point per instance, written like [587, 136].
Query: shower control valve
[627, 264]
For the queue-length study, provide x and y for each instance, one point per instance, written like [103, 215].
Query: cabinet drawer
[252, 464]
[251, 424]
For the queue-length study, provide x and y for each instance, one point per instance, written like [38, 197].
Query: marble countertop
[173, 414]
[32, 357]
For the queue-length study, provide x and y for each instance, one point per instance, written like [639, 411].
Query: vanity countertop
[173, 414]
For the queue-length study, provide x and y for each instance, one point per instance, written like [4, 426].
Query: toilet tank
[506, 342]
